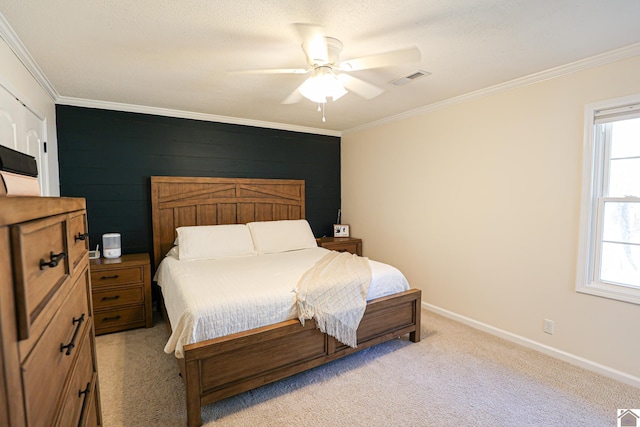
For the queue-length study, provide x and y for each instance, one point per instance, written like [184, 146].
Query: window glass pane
[620, 264]
[622, 222]
[624, 178]
[625, 140]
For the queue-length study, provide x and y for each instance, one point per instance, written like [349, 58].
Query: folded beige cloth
[334, 293]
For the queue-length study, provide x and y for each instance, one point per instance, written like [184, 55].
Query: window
[609, 263]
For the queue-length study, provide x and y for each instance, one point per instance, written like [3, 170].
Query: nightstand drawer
[116, 276]
[119, 318]
[122, 295]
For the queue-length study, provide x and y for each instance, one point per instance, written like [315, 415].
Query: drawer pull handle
[80, 236]
[115, 276]
[84, 392]
[115, 297]
[55, 259]
[111, 319]
[72, 344]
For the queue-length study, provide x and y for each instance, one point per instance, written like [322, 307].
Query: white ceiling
[168, 54]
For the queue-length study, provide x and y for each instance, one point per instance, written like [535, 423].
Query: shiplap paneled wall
[108, 156]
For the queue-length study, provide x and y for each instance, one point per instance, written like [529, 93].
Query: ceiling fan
[329, 77]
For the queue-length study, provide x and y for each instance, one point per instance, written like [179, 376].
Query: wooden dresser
[121, 293]
[48, 371]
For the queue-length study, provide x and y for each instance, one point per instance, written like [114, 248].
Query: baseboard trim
[534, 345]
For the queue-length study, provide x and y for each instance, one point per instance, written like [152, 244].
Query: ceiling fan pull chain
[323, 119]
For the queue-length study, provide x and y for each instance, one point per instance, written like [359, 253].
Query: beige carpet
[456, 376]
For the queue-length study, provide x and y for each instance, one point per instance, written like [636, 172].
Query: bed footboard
[223, 367]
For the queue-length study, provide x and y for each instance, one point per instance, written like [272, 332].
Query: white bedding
[207, 299]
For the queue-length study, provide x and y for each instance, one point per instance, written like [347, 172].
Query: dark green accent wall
[108, 156]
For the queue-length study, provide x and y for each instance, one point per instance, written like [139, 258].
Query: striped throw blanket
[334, 293]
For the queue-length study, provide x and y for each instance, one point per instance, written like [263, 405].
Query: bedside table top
[129, 259]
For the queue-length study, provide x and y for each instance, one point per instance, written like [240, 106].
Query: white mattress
[213, 298]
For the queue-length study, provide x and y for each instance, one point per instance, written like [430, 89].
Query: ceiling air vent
[409, 78]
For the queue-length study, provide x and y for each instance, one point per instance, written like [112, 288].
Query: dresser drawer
[80, 387]
[116, 276]
[48, 364]
[43, 321]
[118, 296]
[41, 266]
[117, 319]
[78, 237]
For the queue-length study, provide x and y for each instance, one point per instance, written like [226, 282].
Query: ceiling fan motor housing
[334, 47]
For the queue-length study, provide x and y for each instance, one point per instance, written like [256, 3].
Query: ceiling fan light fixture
[322, 85]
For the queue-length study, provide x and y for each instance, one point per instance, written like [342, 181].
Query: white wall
[478, 203]
[15, 77]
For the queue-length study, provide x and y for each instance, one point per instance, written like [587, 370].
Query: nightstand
[121, 292]
[341, 244]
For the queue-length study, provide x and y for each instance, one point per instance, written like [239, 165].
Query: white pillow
[214, 241]
[281, 236]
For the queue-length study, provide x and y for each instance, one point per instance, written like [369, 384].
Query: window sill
[620, 293]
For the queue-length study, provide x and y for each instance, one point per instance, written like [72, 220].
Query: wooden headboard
[184, 201]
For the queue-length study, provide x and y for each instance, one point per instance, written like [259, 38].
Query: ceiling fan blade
[294, 97]
[359, 87]
[386, 59]
[314, 43]
[271, 71]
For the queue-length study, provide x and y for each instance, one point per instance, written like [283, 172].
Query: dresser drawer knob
[55, 259]
[115, 276]
[111, 319]
[72, 344]
[80, 236]
[113, 298]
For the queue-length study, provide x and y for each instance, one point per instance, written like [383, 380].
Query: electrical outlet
[548, 326]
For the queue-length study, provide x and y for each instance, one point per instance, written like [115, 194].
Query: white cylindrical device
[111, 246]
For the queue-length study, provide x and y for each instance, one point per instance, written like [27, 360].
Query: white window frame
[593, 183]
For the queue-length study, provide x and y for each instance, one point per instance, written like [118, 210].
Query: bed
[220, 367]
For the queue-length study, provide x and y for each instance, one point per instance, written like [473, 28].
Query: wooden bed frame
[218, 368]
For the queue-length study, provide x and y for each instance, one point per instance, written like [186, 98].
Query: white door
[22, 130]
[34, 142]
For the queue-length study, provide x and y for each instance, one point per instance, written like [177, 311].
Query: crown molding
[572, 67]
[131, 108]
[16, 45]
